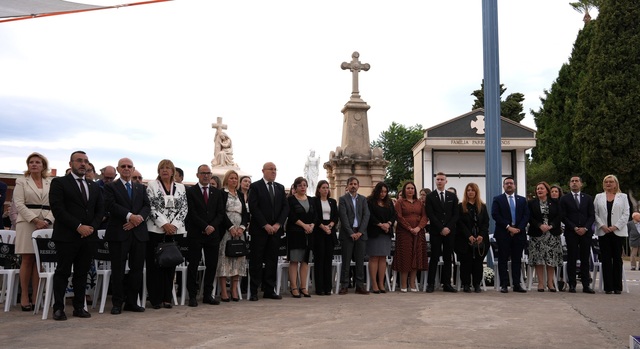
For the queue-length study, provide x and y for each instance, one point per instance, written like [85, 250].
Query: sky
[147, 82]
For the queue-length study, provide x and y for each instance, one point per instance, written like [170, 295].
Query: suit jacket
[348, 215]
[574, 216]
[263, 211]
[27, 193]
[634, 234]
[70, 210]
[334, 216]
[441, 217]
[202, 214]
[536, 219]
[118, 203]
[501, 214]
[619, 213]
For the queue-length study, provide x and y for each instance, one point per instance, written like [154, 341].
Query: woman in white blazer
[612, 215]
[31, 197]
[168, 201]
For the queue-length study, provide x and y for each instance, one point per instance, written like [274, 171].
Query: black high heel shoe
[295, 295]
[27, 307]
[306, 295]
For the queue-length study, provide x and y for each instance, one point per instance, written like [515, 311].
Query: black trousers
[578, 247]
[76, 255]
[264, 250]
[471, 268]
[126, 289]
[159, 280]
[611, 258]
[510, 247]
[322, 260]
[440, 246]
[210, 247]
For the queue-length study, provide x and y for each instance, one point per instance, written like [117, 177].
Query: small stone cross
[219, 126]
[355, 67]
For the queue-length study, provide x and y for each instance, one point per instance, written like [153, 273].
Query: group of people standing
[209, 214]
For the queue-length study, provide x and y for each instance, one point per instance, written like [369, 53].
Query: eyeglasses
[126, 166]
[108, 178]
[139, 178]
[205, 173]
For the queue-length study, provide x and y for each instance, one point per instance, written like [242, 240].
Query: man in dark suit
[578, 216]
[354, 218]
[128, 204]
[78, 207]
[269, 210]
[204, 228]
[443, 212]
[511, 215]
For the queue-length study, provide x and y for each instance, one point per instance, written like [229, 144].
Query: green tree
[396, 144]
[607, 114]
[557, 152]
[510, 108]
[584, 6]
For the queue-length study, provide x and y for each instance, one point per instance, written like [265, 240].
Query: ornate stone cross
[355, 67]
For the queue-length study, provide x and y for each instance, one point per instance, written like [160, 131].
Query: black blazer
[574, 216]
[117, 202]
[536, 219]
[264, 212]
[334, 216]
[70, 210]
[226, 224]
[199, 214]
[377, 215]
[465, 229]
[440, 217]
[296, 237]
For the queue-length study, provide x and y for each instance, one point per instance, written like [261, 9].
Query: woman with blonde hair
[168, 200]
[472, 238]
[612, 214]
[31, 197]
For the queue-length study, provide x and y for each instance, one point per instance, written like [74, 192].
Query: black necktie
[83, 190]
[271, 192]
[575, 197]
[442, 198]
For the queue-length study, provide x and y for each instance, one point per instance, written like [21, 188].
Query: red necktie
[205, 192]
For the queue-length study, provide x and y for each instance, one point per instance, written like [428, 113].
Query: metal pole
[493, 133]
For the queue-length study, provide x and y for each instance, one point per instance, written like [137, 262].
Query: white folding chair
[46, 268]
[10, 281]
[102, 263]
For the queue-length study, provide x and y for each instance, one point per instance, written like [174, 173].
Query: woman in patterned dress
[236, 225]
[545, 247]
[411, 243]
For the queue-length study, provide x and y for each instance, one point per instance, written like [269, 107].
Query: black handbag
[236, 248]
[168, 254]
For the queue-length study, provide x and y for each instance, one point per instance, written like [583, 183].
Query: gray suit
[348, 218]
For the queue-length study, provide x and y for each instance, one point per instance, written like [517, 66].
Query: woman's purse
[168, 254]
[236, 248]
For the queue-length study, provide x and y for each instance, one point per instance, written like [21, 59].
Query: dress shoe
[156, 306]
[296, 294]
[617, 292]
[375, 291]
[504, 289]
[272, 296]
[466, 289]
[81, 313]
[608, 292]
[382, 290]
[327, 293]
[588, 290]
[133, 307]
[253, 298]
[306, 295]
[572, 289]
[477, 289]
[59, 315]
[360, 290]
[27, 307]
[235, 299]
[430, 288]
[448, 288]
[167, 305]
[519, 289]
[210, 300]
[225, 299]
[116, 310]
[343, 290]
[553, 290]
[413, 289]
[403, 290]
[193, 302]
[541, 290]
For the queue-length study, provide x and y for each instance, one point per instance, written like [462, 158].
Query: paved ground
[392, 320]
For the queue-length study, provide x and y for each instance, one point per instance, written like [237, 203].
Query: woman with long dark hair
[324, 238]
[380, 232]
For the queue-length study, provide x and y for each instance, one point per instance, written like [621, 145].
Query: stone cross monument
[223, 152]
[354, 157]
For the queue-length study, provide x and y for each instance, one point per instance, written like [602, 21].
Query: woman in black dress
[472, 238]
[299, 228]
[380, 231]
[324, 238]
